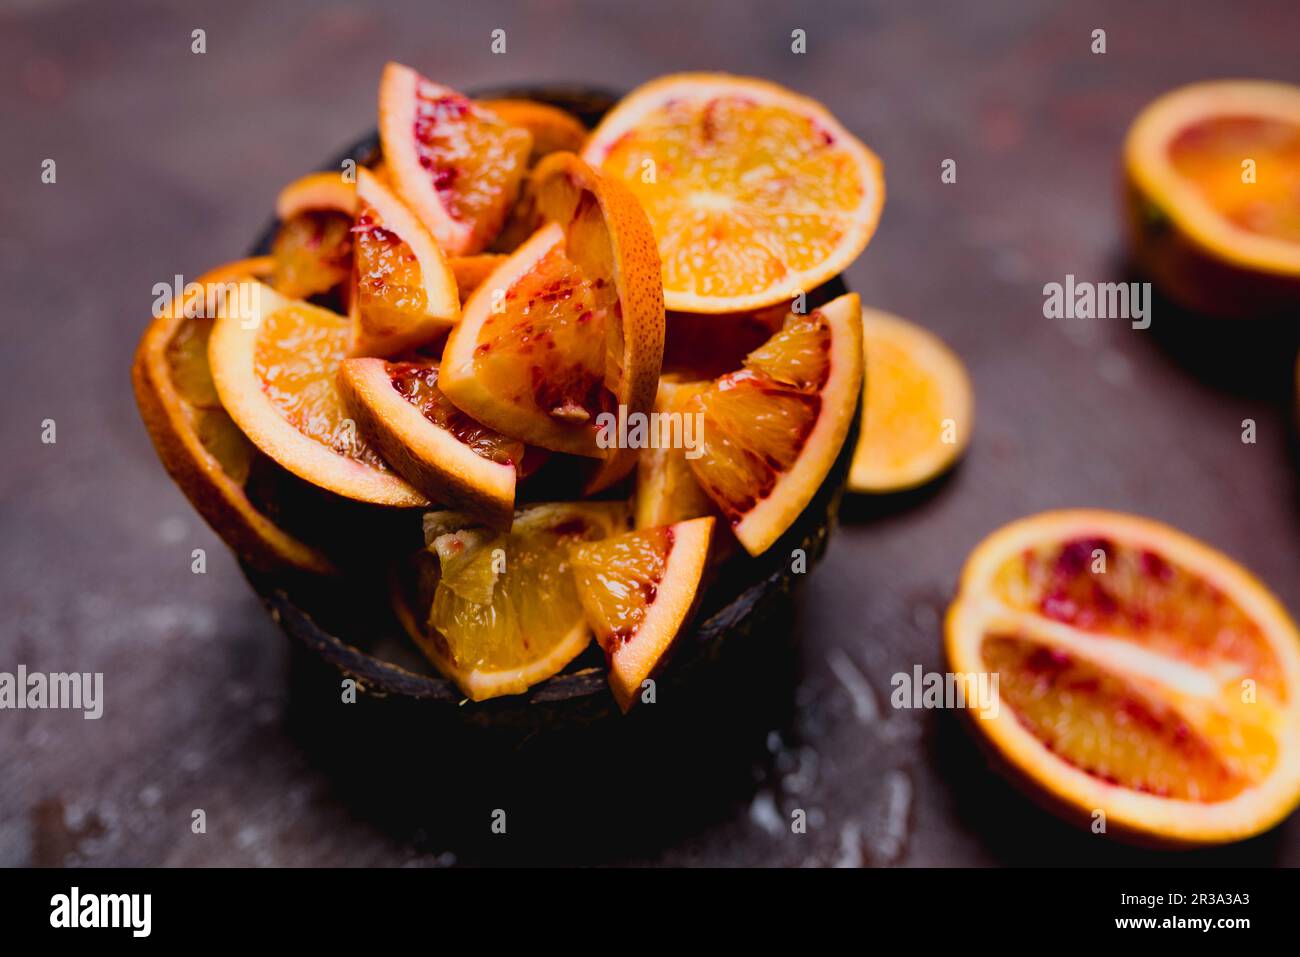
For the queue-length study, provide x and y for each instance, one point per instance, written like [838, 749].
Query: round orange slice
[771, 431]
[274, 364]
[406, 294]
[638, 591]
[431, 443]
[497, 612]
[1213, 173]
[1144, 680]
[755, 193]
[456, 164]
[201, 448]
[917, 411]
[569, 328]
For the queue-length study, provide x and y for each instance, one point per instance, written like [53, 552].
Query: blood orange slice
[312, 248]
[637, 591]
[500, 611]
[569, 327]
[470, 271]
[455, 163]
[554, 130]
[406, 294]
[275, 367]
[666, 489]
[201, 448]
[772, 430]
[436, 447]
[918, 407]
[754, 192]
[1144, 679]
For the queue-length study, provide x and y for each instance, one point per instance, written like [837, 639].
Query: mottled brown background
[168, 162]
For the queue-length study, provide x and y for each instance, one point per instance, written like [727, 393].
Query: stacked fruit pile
[478, 318]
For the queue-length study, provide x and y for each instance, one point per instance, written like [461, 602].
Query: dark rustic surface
[168, 162]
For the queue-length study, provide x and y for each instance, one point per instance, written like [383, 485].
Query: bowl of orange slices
[532, 400]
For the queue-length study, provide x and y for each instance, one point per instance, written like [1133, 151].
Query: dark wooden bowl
[354, 631]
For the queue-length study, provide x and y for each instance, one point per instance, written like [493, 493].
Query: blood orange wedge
[201, 448]
[312, 247]
[1213, 174]
[554, 130]
[771, 431]
[436, 447]
[1144, 679]
[317, 192]
[455, 163]
[754, 192]
[569, 327]
[918, 407]
[275, 371]
[666, 489]
[637, 591]
[504, 612]
[406, 294]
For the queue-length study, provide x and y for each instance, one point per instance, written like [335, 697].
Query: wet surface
[169, 161]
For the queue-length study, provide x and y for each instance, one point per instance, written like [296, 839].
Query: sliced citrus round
[434, 445]
[406, 295]
[755, 193]
[504, 612]
[917, 409]
[470, 271]
[201, 448]
[638, 590]
[456, 164]
[274, 364]
[666, 489]
[771, 431]
[1213, 173]
[1140, 674]
[554, 130]
[569, 328]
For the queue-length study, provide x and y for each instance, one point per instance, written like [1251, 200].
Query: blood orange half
[1145, 680]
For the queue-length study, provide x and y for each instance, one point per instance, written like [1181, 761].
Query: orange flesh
[757, 420]
[417, 382]
[1106, 725]
[187, 360]
[763, 188]
[618, 580]
[900, 418]
[547, 347]
[1210, 153]
[1142, 598]
[472, 157]
[389, 279]
[312, 252]
[296, 358]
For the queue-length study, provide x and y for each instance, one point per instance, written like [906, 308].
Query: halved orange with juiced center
[1144, 679]
[755, 193]
[569, 328]
[455, 163]
[406, 294]
[1213, 174]
[637, 591]
[201, 447]
[771, 431]
[274, 366]
[504, 612]
[434, 445]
